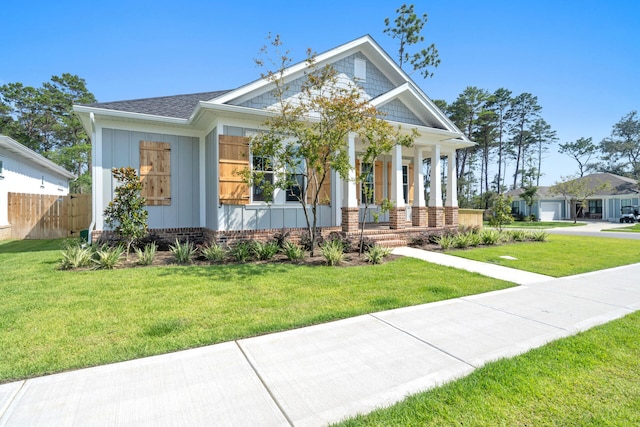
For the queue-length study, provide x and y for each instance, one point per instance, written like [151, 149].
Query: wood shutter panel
[234, 157]
[325, 189]
[410, 182]
[389, 179]
[377, 174]
[155, 172]
[359, 186]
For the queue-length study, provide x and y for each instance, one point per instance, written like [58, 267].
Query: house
[187, 147]
[22, 170]
[605, 204]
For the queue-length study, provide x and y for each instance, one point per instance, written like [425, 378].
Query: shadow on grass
[227, 271]
[18, 246]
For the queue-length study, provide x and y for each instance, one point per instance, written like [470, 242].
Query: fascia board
[29, 154]
[129, 115]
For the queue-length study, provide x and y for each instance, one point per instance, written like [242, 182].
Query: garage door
[550, 211]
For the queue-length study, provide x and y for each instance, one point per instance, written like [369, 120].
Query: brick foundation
[436, 216]
[419, 216]
[350, 219]
[397, 218]
[451, 215]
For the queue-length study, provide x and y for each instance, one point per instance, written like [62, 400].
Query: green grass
[632, 228]
[590, 379]
[539, 224]
[53, 320]
[561, 255]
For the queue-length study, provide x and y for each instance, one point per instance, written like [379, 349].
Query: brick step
[392, 243]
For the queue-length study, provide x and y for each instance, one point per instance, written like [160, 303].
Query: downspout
[92, 119]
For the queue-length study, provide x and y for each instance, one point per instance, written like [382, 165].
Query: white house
[22, 170]
[186, 147]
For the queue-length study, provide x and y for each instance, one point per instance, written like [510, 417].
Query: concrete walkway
[320, 374]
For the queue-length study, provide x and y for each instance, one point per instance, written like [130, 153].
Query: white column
[350, 199]
[435, 193]
[418, 178]
[397, 196]
[452, 181]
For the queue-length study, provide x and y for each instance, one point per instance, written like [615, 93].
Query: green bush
[539, 236]
[147, 254]
[462, 241]
[333, 252]
[376, 254]
[241, 251]
[108, 257]
[518, 235]
[75, 254]
[490, 237]
[265, 251]
[293, 251]
[213, 252]
[183, 252]
[445, 241]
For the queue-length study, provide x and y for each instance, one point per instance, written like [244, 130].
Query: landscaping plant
[147, 254]
[107, 257]
[241, 251]
[376, 254]
[293, 252]
[333, 252]
[183, 252]
[213, 252]
[265, 251]
[75, 254]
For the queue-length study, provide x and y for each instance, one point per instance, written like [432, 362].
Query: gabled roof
[619, 186]
[29, 155]
[176, 106]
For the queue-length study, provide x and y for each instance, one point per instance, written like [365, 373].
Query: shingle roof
[619, 186]
[177, 106]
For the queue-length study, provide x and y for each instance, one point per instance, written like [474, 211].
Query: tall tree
[581, 150]
[485, 136]
[407, 30]
[542, 136]
[621, 150]
[500, 103]
[524, 109]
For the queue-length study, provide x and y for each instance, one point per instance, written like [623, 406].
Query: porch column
[397, 214]
[350, 208]
[436, 212]
[451, 204]
[419, 209]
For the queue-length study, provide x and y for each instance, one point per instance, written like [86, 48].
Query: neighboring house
[22, 170]
[187, 147]
[605, 204]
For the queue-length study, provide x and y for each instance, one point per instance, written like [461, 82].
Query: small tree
[578, 190]
[529, 197]
[126, 213]
[501, 212]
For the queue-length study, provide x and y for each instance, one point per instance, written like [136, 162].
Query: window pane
[262, 164]
[367, 183]
[296, 189]
[405, 183]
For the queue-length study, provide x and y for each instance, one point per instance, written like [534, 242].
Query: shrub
[213, 252]
[418, 241]
[183, 252]
[241, 251]
[490, 237]
[376, 254]
[445, 242]
[518, 235]
[475, 239]
[462, 241]
[333, 252]
[147, 254]
[108, 257]
[265, 251]
[305, 241]
[539, 236]
[281, 238]
[343, 239]
[468, 229]
[293, 251]
[75, 254]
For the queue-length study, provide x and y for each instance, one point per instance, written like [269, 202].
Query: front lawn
[632, 228]
[561, 255]
[53, 320]
[590, 379]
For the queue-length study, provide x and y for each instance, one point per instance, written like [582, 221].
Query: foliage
[333, 252]
[529, 196]
[581, 150]
[376, 254]
[445, 242]
[539, 236]
[281, 238]
[107, 257]
[264, 251]
[241, 251]
[147, 254]
[517, 235]
[183, 252]
[578, 190]
[621, 151]
[293, 252]
[126, 213]
[490, 237]
[407, 29]
[213, 252]
[42, 119]
[501, 212]
[75, 254]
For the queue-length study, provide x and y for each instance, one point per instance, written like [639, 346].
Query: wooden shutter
[410, 182]
[155, 172]
[325, 190]
[359, 184]
[377, 174]
[389, 179]
[234, 157]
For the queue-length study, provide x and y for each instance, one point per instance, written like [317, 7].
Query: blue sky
[580, 58]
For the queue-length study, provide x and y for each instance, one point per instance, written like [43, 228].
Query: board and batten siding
[121, 148]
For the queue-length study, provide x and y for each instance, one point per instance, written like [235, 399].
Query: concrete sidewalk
[320, 374]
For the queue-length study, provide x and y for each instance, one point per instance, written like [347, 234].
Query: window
[405, 183]
[515, 208]
[595, 207]
[360, 70]
[367, 183]
[263, 166]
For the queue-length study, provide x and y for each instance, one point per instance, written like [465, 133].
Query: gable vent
[360, 69]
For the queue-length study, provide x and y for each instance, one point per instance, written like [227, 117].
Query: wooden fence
[470, 217]
[38, 216]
